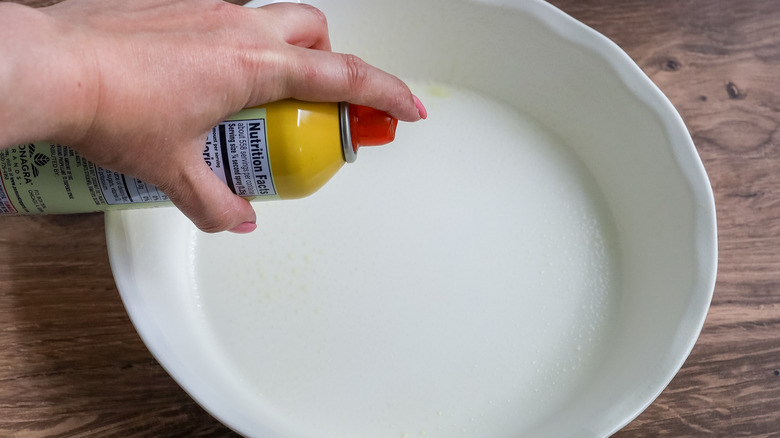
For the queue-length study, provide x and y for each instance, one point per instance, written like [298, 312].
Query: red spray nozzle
[364, 126]
[370, 127]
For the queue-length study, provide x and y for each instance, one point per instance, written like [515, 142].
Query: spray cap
[364, 126]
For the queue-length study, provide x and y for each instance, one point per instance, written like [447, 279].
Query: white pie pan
[536, 259]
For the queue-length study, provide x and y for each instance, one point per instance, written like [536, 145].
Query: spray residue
[460, 284]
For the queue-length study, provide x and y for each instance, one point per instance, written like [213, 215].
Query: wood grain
[72, 364]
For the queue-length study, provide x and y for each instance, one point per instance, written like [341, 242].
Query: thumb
[207, 201]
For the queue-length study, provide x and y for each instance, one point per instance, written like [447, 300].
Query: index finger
[334, 77]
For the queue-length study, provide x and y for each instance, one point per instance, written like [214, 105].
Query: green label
[47, 178]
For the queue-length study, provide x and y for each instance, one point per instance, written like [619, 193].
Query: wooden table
[72, 364]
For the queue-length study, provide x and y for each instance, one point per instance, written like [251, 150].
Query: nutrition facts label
[122, 189]
[236, 151]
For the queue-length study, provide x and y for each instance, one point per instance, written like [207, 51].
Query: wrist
[47, 90]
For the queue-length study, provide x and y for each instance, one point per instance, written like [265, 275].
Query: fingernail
[244, 228]
[420, 108]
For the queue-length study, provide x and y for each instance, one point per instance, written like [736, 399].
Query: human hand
[152, 77]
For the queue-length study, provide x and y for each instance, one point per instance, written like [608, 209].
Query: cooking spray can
[283, 150]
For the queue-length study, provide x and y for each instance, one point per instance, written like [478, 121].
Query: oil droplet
[438, 91]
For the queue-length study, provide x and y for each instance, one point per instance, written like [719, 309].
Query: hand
[152, 77]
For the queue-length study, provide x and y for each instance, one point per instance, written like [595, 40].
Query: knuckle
[317, 15]
[211, 225]
[356, 72]
[191, 202]
[213, 221]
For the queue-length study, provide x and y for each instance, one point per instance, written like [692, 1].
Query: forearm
[45, 85]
